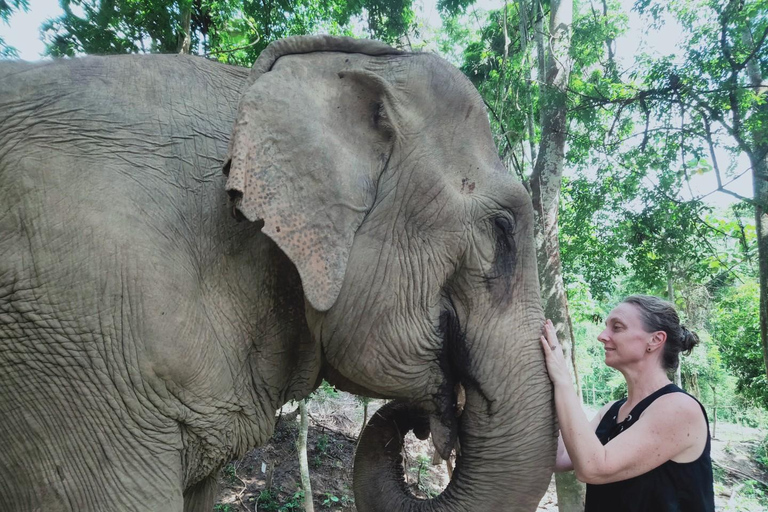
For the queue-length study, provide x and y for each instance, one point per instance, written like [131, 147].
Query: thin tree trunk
[185, 36]
[541, 51]
[759, 160]
[365, 401]
[574, 366]
[714, 413]
[753, 65]
[671, 298]
[501, 89]
[301, 446]
[522, 7]
[545, 189]
[760, 184]
[547, 174]
[610, 45]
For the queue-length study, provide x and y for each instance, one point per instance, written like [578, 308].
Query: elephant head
[375, 172]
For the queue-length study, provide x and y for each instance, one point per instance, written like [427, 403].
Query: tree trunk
[301, 446]
[671, 298]
[526, 54]
[185, 36]
[714, 413]
[758, 157]
[759, 160]
[760, 184]
[541, 50]
[545, 189]
[547, 173]
[365, 401]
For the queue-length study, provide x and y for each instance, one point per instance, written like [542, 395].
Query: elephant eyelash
[499, 279]
[380, 117]
[379, 113]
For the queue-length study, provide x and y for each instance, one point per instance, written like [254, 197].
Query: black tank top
[671, 487]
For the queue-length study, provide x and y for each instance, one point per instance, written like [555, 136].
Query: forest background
[640, 130]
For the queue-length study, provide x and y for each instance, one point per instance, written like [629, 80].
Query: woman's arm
[671, 425]
[563, 460]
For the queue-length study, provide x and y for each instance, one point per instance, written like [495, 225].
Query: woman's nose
[602, 336]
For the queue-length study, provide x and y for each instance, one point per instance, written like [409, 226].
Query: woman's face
[624, 338]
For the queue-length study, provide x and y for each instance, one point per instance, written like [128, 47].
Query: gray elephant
[146, 338]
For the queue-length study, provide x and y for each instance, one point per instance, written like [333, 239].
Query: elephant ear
[310, 141]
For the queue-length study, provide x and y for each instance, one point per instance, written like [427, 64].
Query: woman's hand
[553, 354]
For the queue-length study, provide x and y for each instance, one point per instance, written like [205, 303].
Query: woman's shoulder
[680, 405]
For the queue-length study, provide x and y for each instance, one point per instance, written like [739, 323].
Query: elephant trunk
[504, 461]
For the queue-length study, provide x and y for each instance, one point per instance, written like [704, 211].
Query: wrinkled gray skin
[146, 338]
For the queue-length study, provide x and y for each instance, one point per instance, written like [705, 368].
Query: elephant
[185, 246]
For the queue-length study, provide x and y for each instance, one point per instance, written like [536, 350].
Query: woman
[650, 451]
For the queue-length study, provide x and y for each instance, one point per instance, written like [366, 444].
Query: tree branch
[504, 133]
[647, 113]
[230, 50]
[711, 144]
[755, 50]
[729, 192]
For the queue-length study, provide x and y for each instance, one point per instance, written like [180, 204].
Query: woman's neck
[642, 384]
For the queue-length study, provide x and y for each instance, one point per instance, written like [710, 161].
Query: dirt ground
[267, 478]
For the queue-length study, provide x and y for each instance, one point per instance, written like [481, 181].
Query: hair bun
[688, 340]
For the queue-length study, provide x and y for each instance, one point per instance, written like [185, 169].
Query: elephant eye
[499, 280]
[380, 118]
[505, 253]
[378, 113]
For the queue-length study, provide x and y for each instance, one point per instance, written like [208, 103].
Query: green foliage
[590, 248]
[704, 374]
[503, 78]
[747, 496]
[225, 507]
[761, 453]
[735, 324]
[321, 449]
[756, 491]
[423, 462]
[235, 32]
[599, 383]
[322, 443]
[230, 472]
[636, 138]
[121, 26]
[325, 392]
[7, 8]
[331, 501]
[268, 501]
[363, 400]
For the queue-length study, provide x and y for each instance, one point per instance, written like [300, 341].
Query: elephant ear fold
[305, 156]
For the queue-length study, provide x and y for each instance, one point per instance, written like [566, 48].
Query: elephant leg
[200, 497]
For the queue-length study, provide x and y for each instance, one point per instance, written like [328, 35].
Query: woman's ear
[305, 156]
[657, 340]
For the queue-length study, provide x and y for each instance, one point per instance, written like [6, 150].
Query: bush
[761, 453]
[735, 326]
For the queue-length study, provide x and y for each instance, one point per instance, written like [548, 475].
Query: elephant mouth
[450, 398]
[444, 426]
